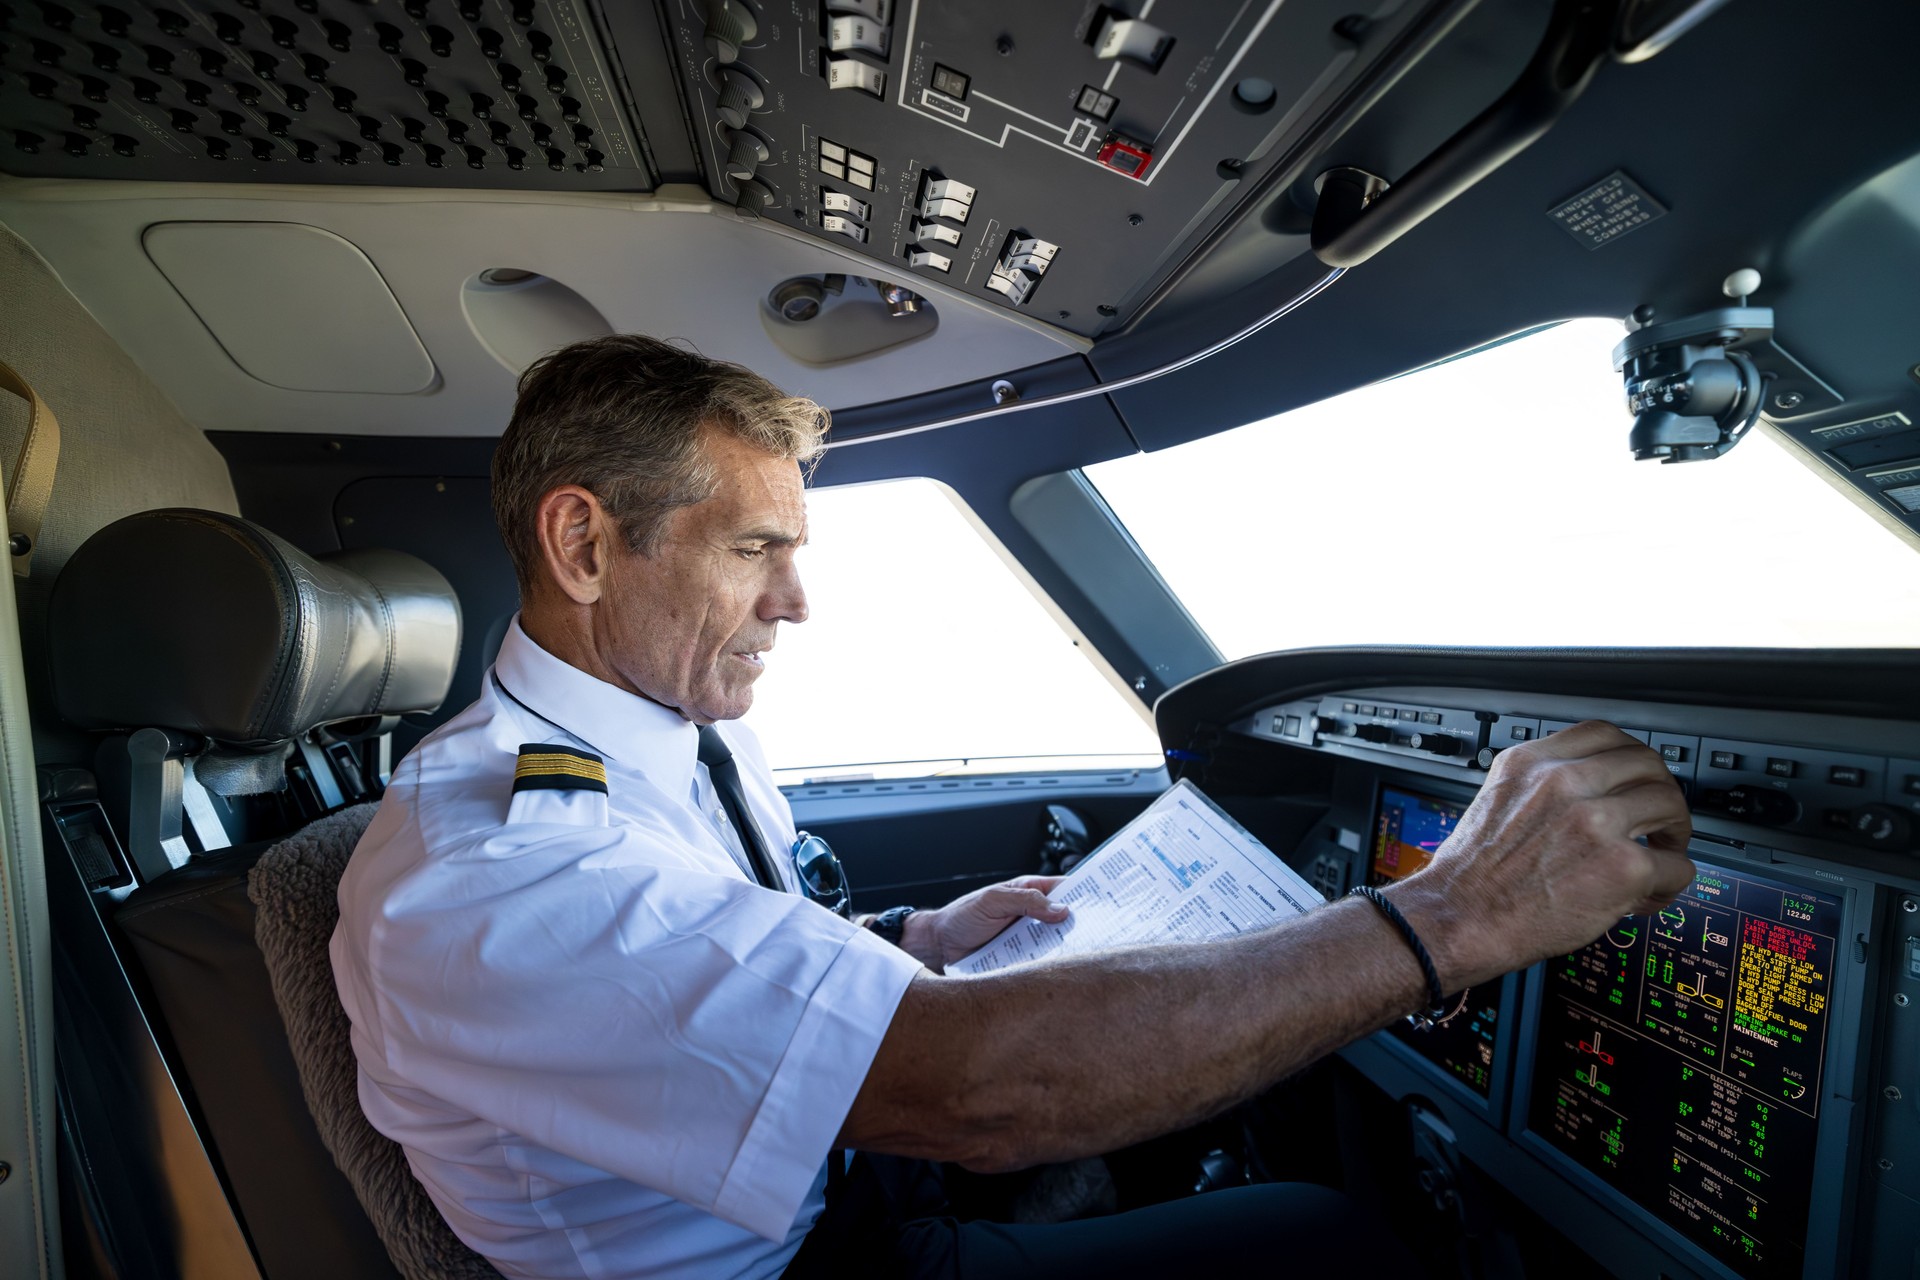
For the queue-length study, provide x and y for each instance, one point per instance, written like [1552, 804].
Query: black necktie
[725, 774]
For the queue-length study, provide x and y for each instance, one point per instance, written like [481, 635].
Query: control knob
[1881, 826]
[754, 196]
[1762, 806]
[747, 151]
[1370, 732]
[1438, 744]
[740, 97]
[1325, 725]
[730, 24]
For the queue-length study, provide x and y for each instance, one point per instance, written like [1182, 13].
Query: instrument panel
[1715, 1090]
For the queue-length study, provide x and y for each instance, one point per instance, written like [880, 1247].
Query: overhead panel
[505, 94]
[296, 307]
[1054, 159]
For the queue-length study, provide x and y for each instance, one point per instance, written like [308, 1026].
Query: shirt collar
[636, 733]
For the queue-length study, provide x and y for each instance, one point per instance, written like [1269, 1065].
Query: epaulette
[548, 766]
[556, 784]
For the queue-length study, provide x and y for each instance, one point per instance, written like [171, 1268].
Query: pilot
[606, 998]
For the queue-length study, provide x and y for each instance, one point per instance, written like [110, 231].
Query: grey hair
[622, 417]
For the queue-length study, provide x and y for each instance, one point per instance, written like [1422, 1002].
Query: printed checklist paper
[1183, 871]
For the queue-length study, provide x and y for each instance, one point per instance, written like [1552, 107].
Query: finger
[1671, 874]
[1655, 808]
[1616, 769]
[1013, 903]
[1589, 737]
[1044, 884]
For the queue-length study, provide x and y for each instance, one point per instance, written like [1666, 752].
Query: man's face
[688, 624]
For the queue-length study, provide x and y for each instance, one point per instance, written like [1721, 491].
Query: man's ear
[576, 541]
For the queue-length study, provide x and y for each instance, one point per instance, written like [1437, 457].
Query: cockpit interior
[1307, 400]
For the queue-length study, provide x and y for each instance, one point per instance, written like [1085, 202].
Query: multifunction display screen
[1679, 1060]
[1407, 829]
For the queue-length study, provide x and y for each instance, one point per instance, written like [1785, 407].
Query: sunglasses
[822, 878]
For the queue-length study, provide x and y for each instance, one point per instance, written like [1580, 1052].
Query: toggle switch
[414, 73]
[541, 45]
[388, 37]
[212, 64]
[523, 12]
[85, 117]
[500, 131]
[440, 41]
[182, 121]
[556, 159]
[509, 77]
[107, 58]
[306, 151]
[144, 91]
[41, 87]
[556, 78]
[491, 42]
[840, 202]
[1118, 36]
[171, 23]
[349, 153]
[225, 26]
[116, 21]
[570, 111]
[296, 97]
[527, 107]
[27, 142]
[476, 158]
[881, 11]
[851, 73]
[75, 145]
[935, 233]
[928, 260]
[343, 99]
[47, 54]
[436, 156]
[59, 17]
[595, 162]
[125, 146]
[262, 149]
[437, 104]
[283, 32]
[159, 61]
[369, 128]
[339, 35]
[952, 209]
[413, 131]
[516, 159]
[843, 226]
[391, 152]
[94, 89]
[278, 125]
[482, 106]
[247, 94]
[847, 32]
[232, 123]
[314, 67]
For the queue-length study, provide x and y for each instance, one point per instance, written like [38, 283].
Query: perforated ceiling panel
[516, 94]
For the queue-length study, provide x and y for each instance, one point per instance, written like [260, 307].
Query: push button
[1673, 753]
[1724, 760]
[1846, 775]
[1778, 768]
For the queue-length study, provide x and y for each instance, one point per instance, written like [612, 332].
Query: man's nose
[786, 600]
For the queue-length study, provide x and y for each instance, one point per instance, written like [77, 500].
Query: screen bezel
[1832, 1196]
[1500, 1088]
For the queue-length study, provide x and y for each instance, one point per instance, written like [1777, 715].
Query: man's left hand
[937, 938]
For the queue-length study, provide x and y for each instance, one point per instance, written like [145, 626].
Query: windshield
[1491, 500]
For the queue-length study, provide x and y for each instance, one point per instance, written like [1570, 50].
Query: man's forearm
[1081, 1056]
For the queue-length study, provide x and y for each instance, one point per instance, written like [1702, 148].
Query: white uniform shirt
[606, 1051]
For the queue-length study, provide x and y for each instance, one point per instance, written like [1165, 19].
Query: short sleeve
[690, 1032]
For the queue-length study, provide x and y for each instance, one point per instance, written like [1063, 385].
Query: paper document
[1182, 871]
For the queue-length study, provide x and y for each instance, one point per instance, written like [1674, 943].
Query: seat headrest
[207, 624]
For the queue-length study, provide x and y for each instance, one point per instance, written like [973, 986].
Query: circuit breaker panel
[1052, 158]
[516, 94]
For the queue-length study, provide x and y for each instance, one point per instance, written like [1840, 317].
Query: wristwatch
[891, 924]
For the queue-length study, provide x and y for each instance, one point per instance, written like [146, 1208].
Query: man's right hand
[1548, 856]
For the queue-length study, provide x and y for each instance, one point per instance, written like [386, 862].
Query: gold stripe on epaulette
[572, 766]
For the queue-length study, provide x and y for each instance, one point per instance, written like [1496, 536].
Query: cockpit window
[926, 652]
[1491, 500]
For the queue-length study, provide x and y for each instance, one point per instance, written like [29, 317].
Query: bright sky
[1487, 501]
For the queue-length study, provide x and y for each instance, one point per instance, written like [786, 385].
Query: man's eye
[751, 553]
